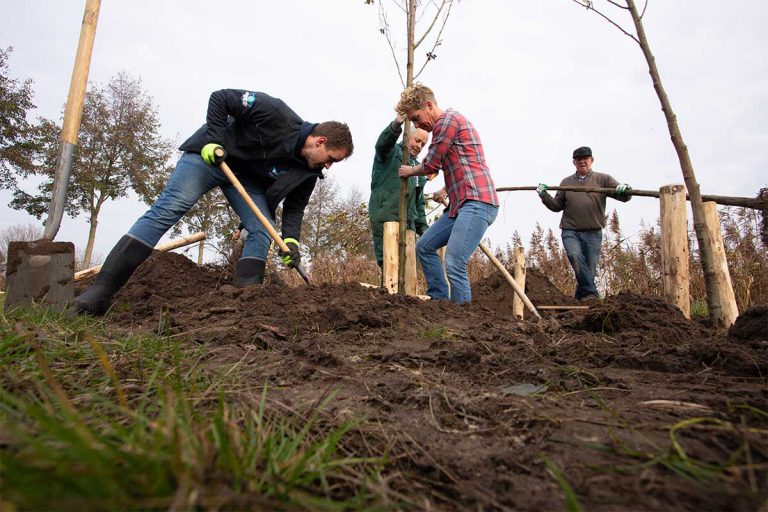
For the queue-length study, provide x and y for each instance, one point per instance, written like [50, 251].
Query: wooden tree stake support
[723, 286]
[391, 251]
[518, 270]
[674, 247]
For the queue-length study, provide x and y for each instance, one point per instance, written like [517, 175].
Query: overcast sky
[537, 79]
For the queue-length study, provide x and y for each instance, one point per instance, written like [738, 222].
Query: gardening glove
[209, 154]
[541, 189]
[623, 189]
[292, 256]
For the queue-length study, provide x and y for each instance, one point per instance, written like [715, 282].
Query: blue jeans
[583, 250]
[461, 234]
[188, 182]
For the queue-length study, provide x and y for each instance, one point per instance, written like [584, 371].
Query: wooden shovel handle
[255, 209]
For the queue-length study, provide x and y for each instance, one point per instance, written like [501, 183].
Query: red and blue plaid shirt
[456, 148]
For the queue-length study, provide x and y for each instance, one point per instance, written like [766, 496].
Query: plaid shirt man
[456, 148]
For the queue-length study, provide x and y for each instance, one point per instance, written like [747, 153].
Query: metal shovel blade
[41, 272]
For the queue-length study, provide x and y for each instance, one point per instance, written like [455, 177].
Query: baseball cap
[582, 151]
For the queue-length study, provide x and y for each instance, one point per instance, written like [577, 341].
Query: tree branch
[385, 30]
[429, 29]
[438, 41]
[590, 7]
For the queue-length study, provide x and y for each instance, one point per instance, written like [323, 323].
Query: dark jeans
[583, 250]
[192, 178]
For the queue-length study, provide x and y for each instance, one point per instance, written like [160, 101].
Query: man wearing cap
[583, 218]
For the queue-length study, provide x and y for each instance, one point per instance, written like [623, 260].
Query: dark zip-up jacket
[263, 138]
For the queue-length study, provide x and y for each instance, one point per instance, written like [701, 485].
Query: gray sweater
[583, 211]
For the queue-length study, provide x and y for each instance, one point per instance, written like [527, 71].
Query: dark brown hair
[337, 134]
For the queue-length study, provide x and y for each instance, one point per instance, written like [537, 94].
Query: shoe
[120, 264]
[590, 298]
[249, 272]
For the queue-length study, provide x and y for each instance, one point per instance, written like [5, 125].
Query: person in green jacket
[384, 205]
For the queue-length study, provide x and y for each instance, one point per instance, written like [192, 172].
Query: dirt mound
[496, 293]
[438, 386]
[751, 325]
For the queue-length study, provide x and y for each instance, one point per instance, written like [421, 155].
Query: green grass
[699, 308]
[93, 421]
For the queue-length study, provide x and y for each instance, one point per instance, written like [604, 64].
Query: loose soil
[634, 406]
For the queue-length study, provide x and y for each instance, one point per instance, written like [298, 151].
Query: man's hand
[236, 235]
[399, 118]
[292, 256]
[210, 155]
[541, 189]
[406, 171]
[623, 189]
[439, 196]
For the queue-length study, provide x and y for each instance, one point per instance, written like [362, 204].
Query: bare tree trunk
[697, 206]
[406, 134]
[94, 222]
[200, 247]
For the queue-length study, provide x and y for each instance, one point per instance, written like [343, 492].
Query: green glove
[623, 189]
[292, 256]
[541, 189]
[209, 154]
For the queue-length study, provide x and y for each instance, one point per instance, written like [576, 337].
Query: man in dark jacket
[277, 156]
[583, 218]
[384, 205]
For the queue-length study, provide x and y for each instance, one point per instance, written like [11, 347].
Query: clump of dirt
[437, 386]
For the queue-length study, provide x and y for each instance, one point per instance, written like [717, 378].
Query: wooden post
[729, 310]
[390, 252]
[518, 270]
[411, 281]
[674, 247]
[441, 252]
[200, 249]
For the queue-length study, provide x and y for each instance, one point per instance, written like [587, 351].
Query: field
[431, 406]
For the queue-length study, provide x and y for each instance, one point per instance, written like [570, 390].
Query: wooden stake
[390, 252]
[674, 247]
[519, 272]
[729, 310]
[411, 281]
[168, 246]
[441, 253]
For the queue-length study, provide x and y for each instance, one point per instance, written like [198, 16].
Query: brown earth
[634, 406]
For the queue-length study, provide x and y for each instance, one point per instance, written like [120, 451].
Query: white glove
[623, 189]
[541, 189]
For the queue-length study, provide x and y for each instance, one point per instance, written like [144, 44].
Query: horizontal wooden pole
[744, 202]
[563, 307]
[168, 246]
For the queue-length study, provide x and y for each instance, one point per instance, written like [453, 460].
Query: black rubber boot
[124, 258]
[249, 272]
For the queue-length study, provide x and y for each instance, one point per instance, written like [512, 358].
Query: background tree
[689, 176]
[15, 233]
[120, 150]
[435, 13]
[18, 147]
[213, 215]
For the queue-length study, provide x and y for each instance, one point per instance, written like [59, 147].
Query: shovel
[42, 271]
[255, 209]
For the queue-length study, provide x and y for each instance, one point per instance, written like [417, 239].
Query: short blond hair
[413, 98]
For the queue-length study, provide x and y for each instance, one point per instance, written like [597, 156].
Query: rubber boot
[124, 258]
[249, 272]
